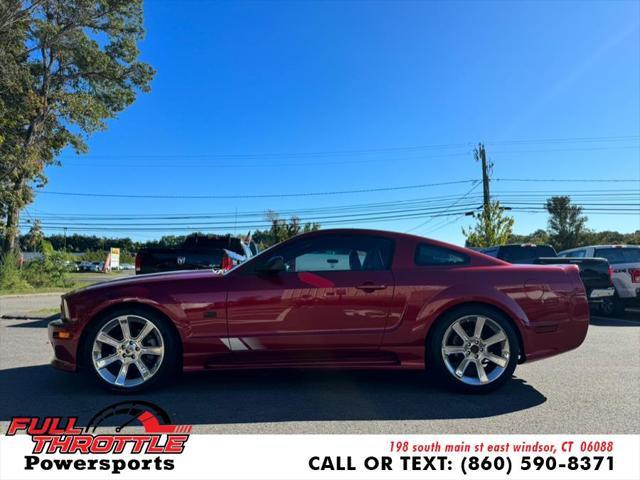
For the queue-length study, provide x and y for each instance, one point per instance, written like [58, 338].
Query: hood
[149, 278]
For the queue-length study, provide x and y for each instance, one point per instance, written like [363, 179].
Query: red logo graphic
[62, 435]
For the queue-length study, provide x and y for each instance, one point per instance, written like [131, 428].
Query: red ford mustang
[332, 298]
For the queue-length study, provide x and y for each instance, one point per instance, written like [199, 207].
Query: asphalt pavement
[593, 389]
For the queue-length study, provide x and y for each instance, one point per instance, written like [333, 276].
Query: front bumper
[64, 338]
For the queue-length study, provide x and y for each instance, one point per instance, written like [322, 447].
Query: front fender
[86, 308]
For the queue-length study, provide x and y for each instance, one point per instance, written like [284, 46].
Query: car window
[619, 255]
[338, 253]
[428, 255]
[575, 254]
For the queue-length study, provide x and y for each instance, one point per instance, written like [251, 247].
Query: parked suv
[625, 263]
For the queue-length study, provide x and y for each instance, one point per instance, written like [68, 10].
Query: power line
[450, 206]
[260, 165]
[155, 165]
[369, 151]
[446, 224]
[615, 138]
[424, 210]
[270, 195]
[442, 199]
[337, 192]
[391, 215]
[230, 226]
[586, 198]
[206, 227]
[575, 180]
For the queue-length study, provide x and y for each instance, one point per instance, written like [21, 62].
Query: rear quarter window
[431, 255]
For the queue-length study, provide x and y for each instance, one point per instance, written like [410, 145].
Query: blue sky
[288, 97]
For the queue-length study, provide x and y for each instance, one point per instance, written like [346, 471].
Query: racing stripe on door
[234, 344]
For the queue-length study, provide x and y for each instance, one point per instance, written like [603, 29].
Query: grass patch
[45, 311]
[30, 290]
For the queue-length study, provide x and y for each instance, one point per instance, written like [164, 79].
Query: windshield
[253, 259]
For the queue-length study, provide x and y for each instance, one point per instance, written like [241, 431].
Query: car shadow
[265, 396]
[31, 322]
[628, 320]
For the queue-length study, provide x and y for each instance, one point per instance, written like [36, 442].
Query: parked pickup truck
[594, 272]
[198, 252]
[625, 264]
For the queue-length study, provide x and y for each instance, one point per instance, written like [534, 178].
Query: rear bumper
[64, 337]
[561, 334]
[627, 291]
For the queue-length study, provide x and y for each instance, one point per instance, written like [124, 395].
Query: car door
[330, 303]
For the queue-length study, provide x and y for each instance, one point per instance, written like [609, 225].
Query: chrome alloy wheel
[475, 350]
[124, 342]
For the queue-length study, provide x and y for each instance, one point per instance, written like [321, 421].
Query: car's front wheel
[130, 350]
[473, 349]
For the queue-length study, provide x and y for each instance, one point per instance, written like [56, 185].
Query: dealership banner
[57, 451]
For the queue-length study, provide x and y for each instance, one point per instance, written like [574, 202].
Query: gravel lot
[594, 389]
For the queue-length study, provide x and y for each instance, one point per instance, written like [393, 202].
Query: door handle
[370, 287]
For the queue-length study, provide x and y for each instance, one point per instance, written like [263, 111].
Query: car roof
[386, 233]
[603, 246]
[367, 231]
[525, 244]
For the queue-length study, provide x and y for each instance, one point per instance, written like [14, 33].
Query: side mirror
[273, 265]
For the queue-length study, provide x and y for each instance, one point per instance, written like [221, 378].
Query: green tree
[539, 237]
[566, 224]
[48, 271]
[492, 227]
[35, 237]
[607, 237]
[281, 229]
[83, 68]
[15, 101]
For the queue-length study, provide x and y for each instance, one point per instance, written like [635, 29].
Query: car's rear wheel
[473, 349]
[130, 350]
[611, 306]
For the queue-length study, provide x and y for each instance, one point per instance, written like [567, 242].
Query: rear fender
[452, 297]
[408, 334]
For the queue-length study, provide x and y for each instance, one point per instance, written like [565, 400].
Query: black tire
[170, 364]
[436, 364]
[611, 307]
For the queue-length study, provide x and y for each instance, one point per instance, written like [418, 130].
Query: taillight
[227, 263]
[610, 272]
[635, 275]
[138, 262]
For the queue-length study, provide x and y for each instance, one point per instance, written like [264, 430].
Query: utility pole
[480, 154]
[64, 244]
